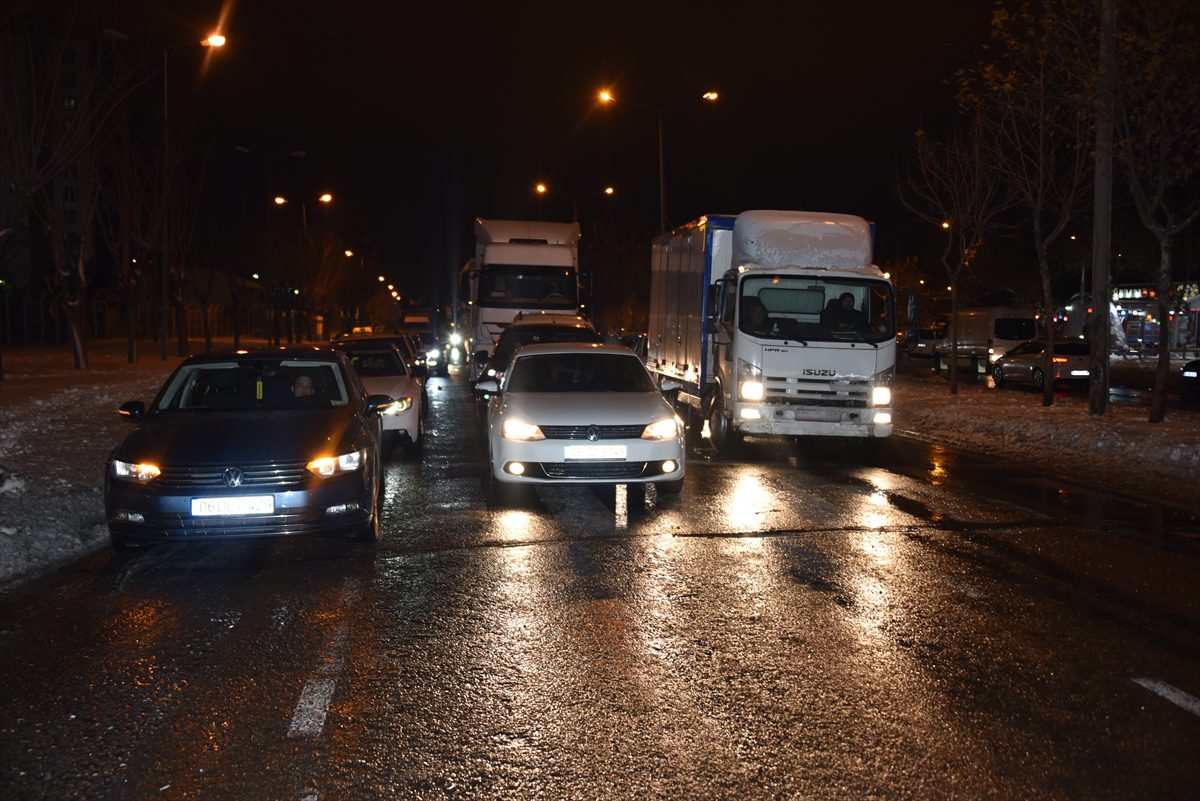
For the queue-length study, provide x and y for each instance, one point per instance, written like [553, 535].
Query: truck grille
[580, 432]
[268, 474]
[816, 392]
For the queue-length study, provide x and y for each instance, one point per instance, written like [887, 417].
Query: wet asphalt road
[799, 623]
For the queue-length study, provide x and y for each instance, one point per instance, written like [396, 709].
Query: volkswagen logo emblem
[232, 476]
[592, 433]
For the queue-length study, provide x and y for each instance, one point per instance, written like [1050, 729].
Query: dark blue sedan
[265, 443]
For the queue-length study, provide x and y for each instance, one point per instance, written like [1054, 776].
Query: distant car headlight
[662, 429]
[142, 472]
[327, 466]
[519, 429]
[401, 405]
[491, 373]
[881, 396]
[432, 354]
[455, 339]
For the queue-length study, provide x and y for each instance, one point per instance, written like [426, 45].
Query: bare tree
[1158, 138]
[1031, 107]
[953, 185]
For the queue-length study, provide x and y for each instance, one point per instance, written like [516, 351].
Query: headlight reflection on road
[937, 465]
[749, 503]
[514, 524]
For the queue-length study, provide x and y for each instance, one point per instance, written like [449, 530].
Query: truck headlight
[750, 385]
[881, 396]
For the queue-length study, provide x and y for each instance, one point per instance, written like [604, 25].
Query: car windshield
[785, 307]
[579, 372]
[259, 384]
[375, 362]
[514, 338]
[516, 286]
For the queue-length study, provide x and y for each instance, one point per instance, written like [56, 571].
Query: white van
[985, 334]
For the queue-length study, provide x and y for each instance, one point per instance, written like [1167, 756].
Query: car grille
[593, 469]
[580, 432]
[816, 392]
[264, 475]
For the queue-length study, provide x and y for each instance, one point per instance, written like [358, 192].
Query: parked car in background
[1189, 381]
[585, 413]
[1026, 363]
[382, 371]
[249, 444]
[921, 344]
[532, 329]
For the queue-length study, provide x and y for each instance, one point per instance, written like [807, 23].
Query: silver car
[576, 413]
[1026, 363]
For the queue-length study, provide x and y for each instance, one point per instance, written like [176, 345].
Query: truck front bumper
[759, 419]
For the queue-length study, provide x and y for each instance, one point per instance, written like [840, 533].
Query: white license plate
[572, 452]
[238, 505]
[1080, 373]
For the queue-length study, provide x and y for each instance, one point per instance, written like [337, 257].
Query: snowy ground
[57, 427]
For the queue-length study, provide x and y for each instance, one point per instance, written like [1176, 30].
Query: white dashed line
[309, 718]
[1173, 694]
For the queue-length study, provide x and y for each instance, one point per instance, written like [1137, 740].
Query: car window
[515, 338]
[376, 363]
[579, 372]
[258, 384]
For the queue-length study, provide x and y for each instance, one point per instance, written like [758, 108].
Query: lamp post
[213, 40]
[607, 98]
[608, 191]
[325, 198]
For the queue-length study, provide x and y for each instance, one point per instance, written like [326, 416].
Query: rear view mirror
[132, 410]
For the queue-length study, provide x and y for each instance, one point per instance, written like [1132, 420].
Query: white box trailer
[825, 361]
[520, 266]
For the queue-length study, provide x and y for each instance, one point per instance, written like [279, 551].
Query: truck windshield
[521, 287]
[810, 308]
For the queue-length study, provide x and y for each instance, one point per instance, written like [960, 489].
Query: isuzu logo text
[816, 371]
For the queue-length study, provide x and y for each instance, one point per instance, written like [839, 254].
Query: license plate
[238, 505]
[1080, 373]
[583, 452]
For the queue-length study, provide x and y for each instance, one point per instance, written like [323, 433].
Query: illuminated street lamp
[349, 253]
[607, 98]
[945, 225]
[215, 40]
[382, 279]
[280, 200]
[608, 191]
[326, 198]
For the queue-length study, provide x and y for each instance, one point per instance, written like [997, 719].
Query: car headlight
[519, 429]
[491, 373]
[455, 339]
[750, 385]
[400, 405]
[141, 472]
[432, 354]
[327, 466]
[881, 396]
[662, 429]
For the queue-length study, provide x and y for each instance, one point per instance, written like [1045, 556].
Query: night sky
[420, 117]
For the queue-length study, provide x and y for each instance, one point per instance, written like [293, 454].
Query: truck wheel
[725, 439]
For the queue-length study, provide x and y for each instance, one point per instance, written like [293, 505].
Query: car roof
[572, 320]
[290, 352]
[573, 347]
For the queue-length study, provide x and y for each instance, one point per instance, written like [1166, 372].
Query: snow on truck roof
[527, 232]
[802, 239]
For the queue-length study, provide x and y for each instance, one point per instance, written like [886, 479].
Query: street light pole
[164, 318]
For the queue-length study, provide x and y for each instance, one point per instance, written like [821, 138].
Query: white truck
[822, 359]
[519, 266]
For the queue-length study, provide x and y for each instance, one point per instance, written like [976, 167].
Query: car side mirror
[133, 411]
[487, 385]
[377, 403]
[481, 356]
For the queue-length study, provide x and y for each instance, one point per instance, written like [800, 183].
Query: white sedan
[382, 371]
[575, 413]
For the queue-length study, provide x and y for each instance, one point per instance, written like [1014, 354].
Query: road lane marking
[1173, 694]
[308, 720]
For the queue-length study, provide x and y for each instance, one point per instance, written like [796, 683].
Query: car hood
[587, 408]
[256, 436]
[396, 386]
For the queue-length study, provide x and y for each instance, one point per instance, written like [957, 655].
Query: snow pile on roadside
[52, 456]
[1012, 424]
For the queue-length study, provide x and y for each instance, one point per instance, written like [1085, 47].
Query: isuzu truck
[519, 266]
[774, 323]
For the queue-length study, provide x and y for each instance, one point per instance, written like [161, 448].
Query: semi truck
[773, 323]
[519, 267]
